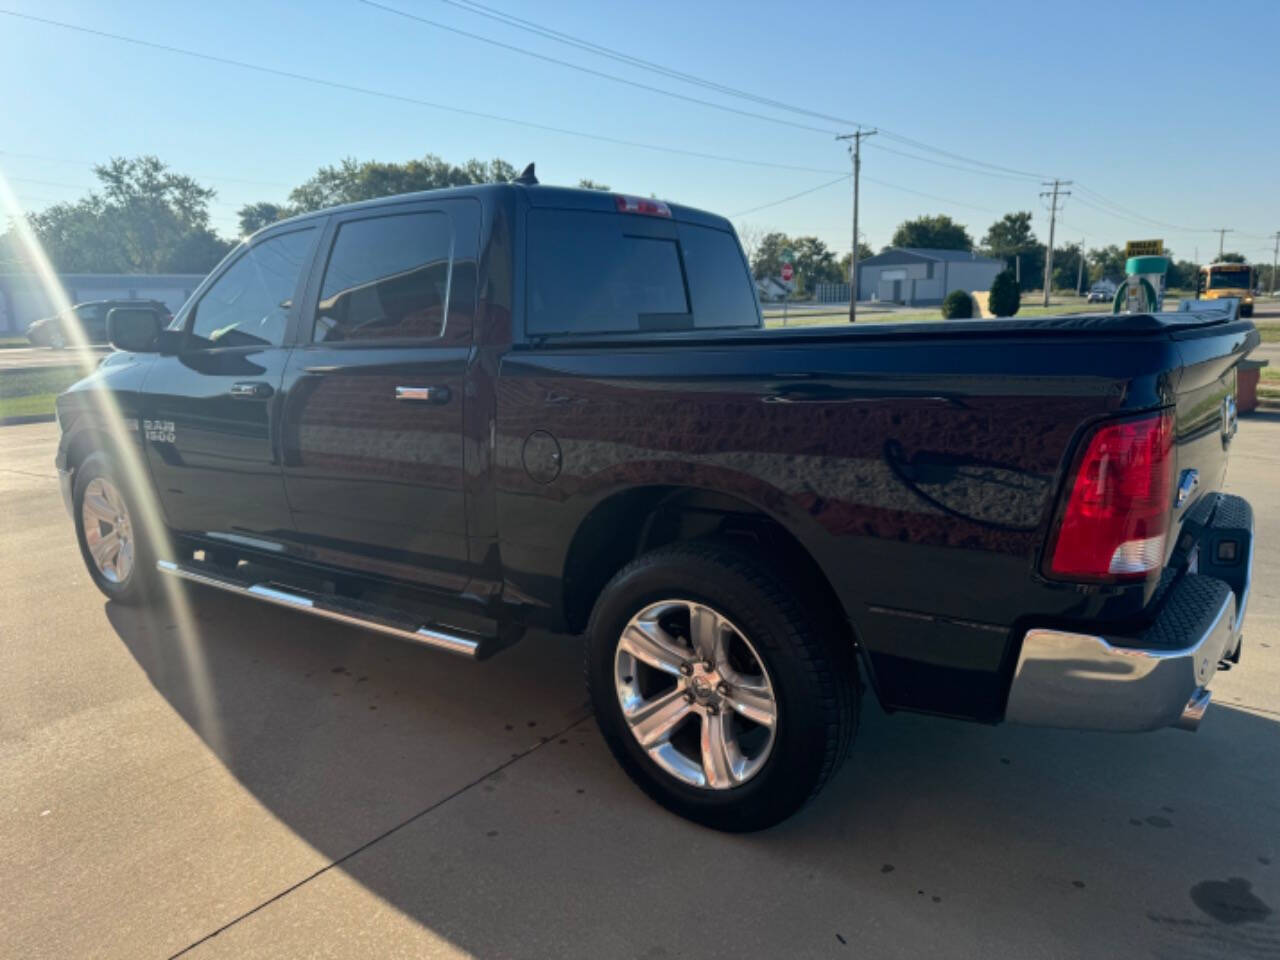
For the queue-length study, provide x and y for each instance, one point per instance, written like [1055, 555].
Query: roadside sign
[1144, 248]
[787, 272]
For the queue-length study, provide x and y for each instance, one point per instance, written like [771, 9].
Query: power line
[402, 98]
[50, 183]
[89, 165]
[530, 26]
[881, 183]
[1133, 215]
[588, 70]
[81, 186]
[932, 196]
[794, 196]
[920, 145]
[561, 37]
[951, 166]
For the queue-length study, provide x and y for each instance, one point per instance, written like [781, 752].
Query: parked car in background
[1101, 292]
[59, 330]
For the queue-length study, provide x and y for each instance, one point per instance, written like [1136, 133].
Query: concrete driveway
[256, 783]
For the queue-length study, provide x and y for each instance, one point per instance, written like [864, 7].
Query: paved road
[21, 358]
[264, 785]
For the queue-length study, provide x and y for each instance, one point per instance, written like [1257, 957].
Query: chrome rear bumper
[1088, 682]
[1159, 679]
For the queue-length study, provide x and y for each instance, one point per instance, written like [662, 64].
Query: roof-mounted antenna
[527, 177]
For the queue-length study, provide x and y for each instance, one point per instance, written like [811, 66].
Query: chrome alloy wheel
[108, 530]
[695, 694]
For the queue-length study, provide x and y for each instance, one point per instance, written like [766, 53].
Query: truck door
[373, 417]
[211, 412]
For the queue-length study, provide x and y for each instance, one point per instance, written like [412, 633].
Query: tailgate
[1205, 415]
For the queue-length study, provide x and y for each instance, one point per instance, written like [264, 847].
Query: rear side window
[723, 292]
[387, 278]
[609, 273]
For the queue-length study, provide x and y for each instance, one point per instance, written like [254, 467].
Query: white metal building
[923, 277]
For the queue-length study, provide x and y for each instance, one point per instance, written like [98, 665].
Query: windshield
[1228, 279]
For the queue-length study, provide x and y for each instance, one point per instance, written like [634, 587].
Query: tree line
[1010, 238]
[144, 218]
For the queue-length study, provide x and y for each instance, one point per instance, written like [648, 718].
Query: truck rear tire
[726, 695]
[114, 542]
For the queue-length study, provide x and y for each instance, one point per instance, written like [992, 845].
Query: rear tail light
[1117, 513]
[649, 208]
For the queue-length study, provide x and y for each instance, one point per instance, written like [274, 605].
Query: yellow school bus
[1218, 280]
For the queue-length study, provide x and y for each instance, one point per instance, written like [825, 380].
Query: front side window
[248, 305]
[387, 278]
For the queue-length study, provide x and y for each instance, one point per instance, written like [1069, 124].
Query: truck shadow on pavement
[503, 826]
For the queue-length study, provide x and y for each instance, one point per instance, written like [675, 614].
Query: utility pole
[1056, 192]
[1080, 270]
[1275, 255]
[1222, 235]
[856, 152]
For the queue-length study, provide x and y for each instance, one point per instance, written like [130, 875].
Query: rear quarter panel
[921, 473]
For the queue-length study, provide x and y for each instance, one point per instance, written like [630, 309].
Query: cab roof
[535, 195]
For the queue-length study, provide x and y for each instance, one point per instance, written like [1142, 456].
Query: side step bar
[393, 623]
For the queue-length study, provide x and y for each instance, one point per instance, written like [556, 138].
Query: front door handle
[251, 390]
[423, 394]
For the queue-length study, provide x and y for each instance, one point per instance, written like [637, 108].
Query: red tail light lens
[648, 208]
[1117, 514]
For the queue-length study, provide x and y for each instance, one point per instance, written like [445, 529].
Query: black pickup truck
[454, 415]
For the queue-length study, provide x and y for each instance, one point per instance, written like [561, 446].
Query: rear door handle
[251, 391]
[423, 394]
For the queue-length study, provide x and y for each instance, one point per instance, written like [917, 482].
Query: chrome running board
[393, 623]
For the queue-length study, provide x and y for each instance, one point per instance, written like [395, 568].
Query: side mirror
[135, 329]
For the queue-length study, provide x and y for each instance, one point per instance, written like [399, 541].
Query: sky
[1156, 111]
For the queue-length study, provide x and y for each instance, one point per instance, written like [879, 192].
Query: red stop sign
[787, 272]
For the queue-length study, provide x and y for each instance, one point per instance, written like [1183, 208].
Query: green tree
[1108, 263]
[1066, 267]
[1231, 257]
[351, 180]
[255, 216]
[958, 305]
[812, 259]
[1010, 234]
[1005, 299]
[586, 183]
[814, 264]
[1011, 239]
[939, 232]
[146, 219]
[767, 260]
[1181, 274]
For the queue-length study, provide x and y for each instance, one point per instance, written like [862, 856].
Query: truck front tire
[115, 543]
[724, 693]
